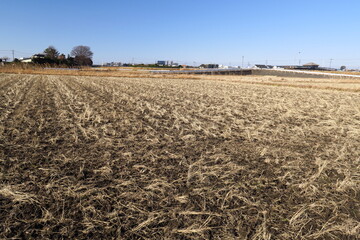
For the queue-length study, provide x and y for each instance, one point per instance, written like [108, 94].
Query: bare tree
[83, 51]
[82, 55]
[5, 59]
[51, 52]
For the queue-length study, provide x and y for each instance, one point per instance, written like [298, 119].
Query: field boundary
[261, 72]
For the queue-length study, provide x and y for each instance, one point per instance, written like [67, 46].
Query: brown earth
[156, 158]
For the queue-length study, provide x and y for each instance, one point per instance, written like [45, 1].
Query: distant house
[311, 66]
[36, 58]
[33, 58]
[25, 60]
[39, 56]
[307, 66]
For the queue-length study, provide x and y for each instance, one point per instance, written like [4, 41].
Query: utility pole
[331, 61]
[242, 63]
[13, 54]
[299, 59]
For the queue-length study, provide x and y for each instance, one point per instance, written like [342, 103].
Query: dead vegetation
[83, 71]
[338, 84]
[156, 158]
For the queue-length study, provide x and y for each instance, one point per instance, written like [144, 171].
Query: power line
[23, 52]
[15, 51]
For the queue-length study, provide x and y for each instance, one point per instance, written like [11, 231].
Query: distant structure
[112, 64]
[307, 66]
[161, 63]
[39, 56]
[211, 65]
[174, 64]
[228, 67]
[311, 66]
[25, 60]
[61, 57]
[263, 66]
[166, 63]
[31, 59]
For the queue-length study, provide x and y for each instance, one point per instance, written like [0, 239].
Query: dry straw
[206, 157]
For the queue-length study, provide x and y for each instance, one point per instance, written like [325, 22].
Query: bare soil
[157, 158]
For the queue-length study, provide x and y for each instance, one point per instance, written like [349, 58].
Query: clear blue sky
[187, 31]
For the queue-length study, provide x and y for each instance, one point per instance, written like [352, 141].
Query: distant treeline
[79, 56]
[69, 61]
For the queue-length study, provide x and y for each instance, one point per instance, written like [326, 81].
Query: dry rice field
[252, 158]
